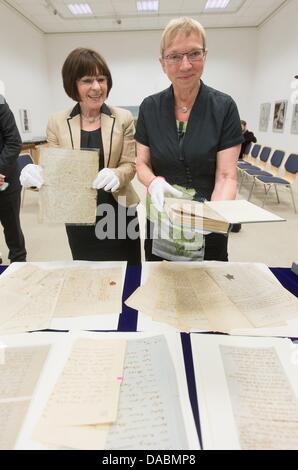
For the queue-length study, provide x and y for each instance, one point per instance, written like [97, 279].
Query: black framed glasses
[88, 81]
[192, 56]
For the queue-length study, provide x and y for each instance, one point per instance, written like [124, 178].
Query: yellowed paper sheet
[186, 299]
[195, 215]
[12, 415]
[167, 296]
[262, 301]
[88, 291]
[216, 298]
[91, 437]
[87, 390]
[28, 297]
[264, 404]
[67, 195]
[19, 373]
[248, 392]
[20, 370]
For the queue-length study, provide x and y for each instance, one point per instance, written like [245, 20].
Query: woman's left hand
[107, 180]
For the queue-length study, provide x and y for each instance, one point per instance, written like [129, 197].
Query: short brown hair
[79, 63]
[184, 25]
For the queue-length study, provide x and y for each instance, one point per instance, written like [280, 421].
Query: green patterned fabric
[170, 241]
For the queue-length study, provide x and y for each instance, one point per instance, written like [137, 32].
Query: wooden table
[31, 146]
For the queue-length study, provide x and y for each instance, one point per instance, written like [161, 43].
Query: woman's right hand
[158, 188]
[31, 175]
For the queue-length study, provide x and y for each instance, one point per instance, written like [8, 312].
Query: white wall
[133, 60]
[23, 69]
[254, 66]
[276, 65]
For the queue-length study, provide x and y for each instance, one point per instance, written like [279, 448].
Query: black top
[93, 140]
[10, 147]
[213, 125]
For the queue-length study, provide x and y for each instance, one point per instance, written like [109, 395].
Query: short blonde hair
[183, 25]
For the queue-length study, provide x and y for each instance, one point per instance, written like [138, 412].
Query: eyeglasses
[192, 56]
[88, 81]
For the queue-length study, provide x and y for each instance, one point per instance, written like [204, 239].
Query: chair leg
[293, 200]
[266, 193]
[251, 189]
[278, 201]
[241, 181]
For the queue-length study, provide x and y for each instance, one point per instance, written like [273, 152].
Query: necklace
[91, 119]
[184, 109]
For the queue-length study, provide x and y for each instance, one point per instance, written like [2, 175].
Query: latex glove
[157, 189]
[31, 175]
[107, 180]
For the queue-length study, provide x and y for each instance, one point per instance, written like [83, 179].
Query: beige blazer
[117, 129]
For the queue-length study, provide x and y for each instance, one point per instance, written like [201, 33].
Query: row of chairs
[256, 165]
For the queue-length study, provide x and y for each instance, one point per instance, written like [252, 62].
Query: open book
[215, 216]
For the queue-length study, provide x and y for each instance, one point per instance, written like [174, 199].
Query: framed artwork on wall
[264, 117]
[294, 125]
[25, 120]
[279, 116]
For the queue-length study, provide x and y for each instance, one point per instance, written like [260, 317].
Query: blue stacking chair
[261, 164]
[275, 162]
[259, 169]
[245, 161]
[291, 170]
[249, 164]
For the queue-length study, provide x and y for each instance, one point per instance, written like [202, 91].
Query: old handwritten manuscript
[67, 195]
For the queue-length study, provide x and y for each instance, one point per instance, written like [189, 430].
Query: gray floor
[275, 244]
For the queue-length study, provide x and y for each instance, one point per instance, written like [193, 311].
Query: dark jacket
[249, 138]
[10, 146]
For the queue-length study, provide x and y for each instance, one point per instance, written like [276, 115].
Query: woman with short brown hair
[94, 124]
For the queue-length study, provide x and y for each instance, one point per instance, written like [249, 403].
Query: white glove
[31, 175]
[107, 180]
[157, 189]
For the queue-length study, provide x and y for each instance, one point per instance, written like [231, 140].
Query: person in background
[248, 136]
[93, 124]
[188, 134]
[10, 188]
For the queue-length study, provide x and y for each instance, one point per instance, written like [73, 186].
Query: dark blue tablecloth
[129, 317]
[2, 268]
[287, 278]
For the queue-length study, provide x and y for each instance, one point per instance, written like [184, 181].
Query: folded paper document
[67, 196]
[215, 216]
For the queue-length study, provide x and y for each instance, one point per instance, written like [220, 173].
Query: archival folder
[215, 216]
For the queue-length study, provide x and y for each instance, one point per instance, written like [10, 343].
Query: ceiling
[53, 16]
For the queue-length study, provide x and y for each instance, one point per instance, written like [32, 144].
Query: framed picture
[25, 120]
[294, 125]
[279, 117]
[265, 109]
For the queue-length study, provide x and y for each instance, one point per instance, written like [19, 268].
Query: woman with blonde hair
[189, 134]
